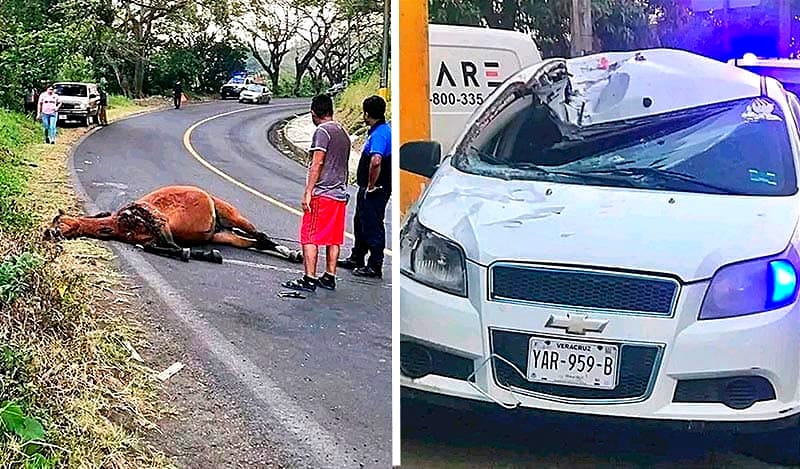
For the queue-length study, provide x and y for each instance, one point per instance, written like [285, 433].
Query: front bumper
[762, 348]
[410, 395]
[73, 112]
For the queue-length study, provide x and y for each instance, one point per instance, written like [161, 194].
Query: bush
[76, 67]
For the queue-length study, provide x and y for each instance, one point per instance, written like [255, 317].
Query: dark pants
[177, 101]
[370, 234]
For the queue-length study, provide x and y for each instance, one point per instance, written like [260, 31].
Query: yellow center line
[188, 145]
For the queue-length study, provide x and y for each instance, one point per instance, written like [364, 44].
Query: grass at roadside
[64, 363]
[349, 110]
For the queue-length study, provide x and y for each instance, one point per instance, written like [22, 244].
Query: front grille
[637, 367]
[417, 360]
[69, 106]
[739, 392]
[584, 289]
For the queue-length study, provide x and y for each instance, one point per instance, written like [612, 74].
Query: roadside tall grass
[349, 105]
[64, 364]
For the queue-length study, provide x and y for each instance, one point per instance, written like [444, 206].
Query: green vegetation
[69, 394]
[16, 132]
[623, 24]
[349, 110]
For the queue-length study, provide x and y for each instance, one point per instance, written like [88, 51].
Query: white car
[614, 235]
[256, 94]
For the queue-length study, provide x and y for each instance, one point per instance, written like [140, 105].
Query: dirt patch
[204, 426]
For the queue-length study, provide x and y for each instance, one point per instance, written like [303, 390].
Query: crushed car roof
[613, 86]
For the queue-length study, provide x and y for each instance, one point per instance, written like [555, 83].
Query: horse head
[63, 227]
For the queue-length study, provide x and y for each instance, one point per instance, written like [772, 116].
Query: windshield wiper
[664, 174]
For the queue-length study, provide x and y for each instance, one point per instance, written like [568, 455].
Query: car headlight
[752, 287]
[432, 259]
[82, 106]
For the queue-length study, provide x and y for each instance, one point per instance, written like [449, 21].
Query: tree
[270, 23]
[323, 19]
[360, 40]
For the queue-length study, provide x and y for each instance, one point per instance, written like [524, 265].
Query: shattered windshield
[740, 147]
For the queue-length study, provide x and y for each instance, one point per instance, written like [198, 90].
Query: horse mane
[140, 217]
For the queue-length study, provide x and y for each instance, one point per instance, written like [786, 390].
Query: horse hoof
[186, 254]
[296, 257]
[216, 256]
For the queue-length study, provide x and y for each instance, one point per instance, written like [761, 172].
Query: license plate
[573, 363]
[62, 117]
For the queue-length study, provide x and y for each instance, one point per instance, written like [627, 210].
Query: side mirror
[421, 158]
[92, 96]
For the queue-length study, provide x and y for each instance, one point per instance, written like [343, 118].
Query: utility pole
[784, 28]
[580, 24]
[349, 50]
[726, 32]
[415, 107]
[384, 91]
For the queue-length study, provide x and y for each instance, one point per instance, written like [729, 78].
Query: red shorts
[324, 224]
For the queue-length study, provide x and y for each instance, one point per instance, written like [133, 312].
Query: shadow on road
[436, 437]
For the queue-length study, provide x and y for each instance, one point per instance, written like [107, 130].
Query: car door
[94, 99]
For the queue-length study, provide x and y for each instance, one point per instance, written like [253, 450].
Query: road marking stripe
[188, 145]
[256, 265]
[326, 449]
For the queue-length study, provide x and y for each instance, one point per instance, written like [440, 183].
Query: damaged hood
[684, 234]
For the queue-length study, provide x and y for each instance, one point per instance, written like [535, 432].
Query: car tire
[779, 447]
[87, 121]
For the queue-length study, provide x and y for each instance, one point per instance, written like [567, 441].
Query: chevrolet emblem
[576, 323]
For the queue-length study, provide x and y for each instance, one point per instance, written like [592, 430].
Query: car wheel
[87, 121]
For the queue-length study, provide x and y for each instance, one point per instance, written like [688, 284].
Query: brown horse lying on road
[168, 221]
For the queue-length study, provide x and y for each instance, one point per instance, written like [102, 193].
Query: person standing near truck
[49, 104]
[103, 104]
[31, 100]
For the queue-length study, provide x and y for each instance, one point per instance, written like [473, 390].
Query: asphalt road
[489, 437]
[329, 353]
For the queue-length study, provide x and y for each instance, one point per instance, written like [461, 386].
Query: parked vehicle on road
[614, 235]
[336, 88]
[80, 102]
[234, 86]
[256, 94]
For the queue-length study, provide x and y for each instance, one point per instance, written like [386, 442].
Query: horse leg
[166, 239]
[230, 218]
[232, 239]
[179, 253]
[164, 245]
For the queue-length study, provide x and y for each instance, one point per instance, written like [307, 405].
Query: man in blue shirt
[374, 180]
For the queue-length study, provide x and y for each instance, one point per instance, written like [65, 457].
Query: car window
[79, 91]
[255, 88]
[715, 149]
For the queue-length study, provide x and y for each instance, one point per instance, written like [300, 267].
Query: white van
[466, 65]
[615, 235]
